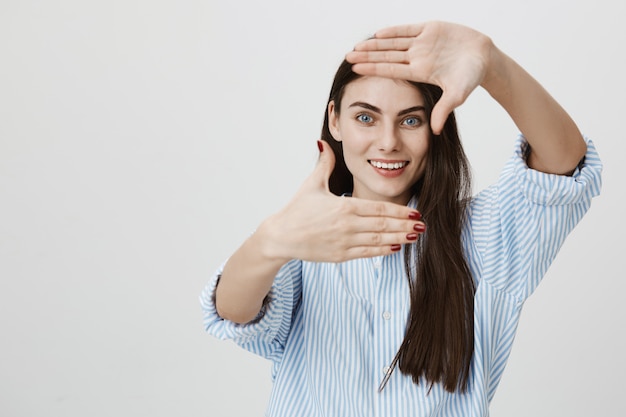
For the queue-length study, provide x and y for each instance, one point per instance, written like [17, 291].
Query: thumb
[325, 165]
[446, 104]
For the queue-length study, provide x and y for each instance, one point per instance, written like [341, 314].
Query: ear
[333, 121]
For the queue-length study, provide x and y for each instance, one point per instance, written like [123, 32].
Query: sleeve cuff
[274, 317]
[551, 189]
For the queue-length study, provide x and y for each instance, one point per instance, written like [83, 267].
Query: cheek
[419, 152]
[356, 147]
[418, 144]
[356, 139]
[422, 151]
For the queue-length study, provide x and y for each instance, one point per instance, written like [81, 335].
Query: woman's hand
[458, 59]
[315, 226]
[452, 56]
[320, 226]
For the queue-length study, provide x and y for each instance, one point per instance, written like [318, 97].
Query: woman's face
[384, 131]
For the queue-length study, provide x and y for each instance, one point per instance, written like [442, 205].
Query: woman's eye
[364, 118]
[412, 121]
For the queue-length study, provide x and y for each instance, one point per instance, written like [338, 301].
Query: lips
[388, 165]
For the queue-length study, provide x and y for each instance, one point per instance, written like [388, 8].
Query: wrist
[271, 243]
[497, 71]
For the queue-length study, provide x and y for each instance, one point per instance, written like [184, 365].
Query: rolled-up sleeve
[520, 223]
[267, 334]
[550, 189]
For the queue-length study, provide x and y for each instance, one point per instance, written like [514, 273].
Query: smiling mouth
[388, 165]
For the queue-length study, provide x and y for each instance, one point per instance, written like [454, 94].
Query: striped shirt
[332, 329]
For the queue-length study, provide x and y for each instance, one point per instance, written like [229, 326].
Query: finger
[368, 208]
[401, 31]
[400, 71]
[367, 252]
[393, 44]
[377, 224]
[446, 104]
[325, 165]
[383, 239]
[377, 56]
[387, 70]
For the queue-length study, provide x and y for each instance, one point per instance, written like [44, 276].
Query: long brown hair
[439, 340]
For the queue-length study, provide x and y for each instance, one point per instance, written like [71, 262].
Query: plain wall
[142, 141]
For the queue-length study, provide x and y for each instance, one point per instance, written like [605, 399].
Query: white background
[142, 141]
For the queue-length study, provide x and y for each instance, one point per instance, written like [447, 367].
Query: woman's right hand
[319, 226]
[316, 225]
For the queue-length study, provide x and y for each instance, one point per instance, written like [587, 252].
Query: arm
[556, 144]
[246, 280]
[458, 59]
[315, 226]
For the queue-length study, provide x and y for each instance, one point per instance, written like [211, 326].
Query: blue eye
[412, 121]
[364, 118]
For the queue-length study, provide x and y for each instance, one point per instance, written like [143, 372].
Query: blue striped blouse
[332, 329]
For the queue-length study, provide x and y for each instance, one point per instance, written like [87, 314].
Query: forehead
[386, 93]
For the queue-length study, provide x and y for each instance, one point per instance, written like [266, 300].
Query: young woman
[383, 261]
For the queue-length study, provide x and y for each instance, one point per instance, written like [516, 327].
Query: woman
[338, 292]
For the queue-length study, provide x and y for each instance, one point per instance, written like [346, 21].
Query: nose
[388, 139]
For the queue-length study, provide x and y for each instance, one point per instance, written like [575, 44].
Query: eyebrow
[379, 111]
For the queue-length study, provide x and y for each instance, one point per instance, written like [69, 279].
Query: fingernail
[320, 146]
[395, 248]
[420, 227]
[415, 215]
[411, 236]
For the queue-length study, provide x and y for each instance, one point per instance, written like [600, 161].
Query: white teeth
[390, 166]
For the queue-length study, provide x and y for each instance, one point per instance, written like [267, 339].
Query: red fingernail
[415, 215]
[395, 248]
[420, 227]
[320, 146]
[411, 236]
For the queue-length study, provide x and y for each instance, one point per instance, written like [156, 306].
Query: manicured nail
[411, 236]
[320, 146]
[420, 227]
[415, 215]
[395, 248]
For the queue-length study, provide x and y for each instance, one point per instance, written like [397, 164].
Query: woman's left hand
[458, 59]
[452, 56]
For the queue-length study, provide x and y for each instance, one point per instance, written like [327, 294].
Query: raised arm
[556, 144]
[459, 59]
[315, 226]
